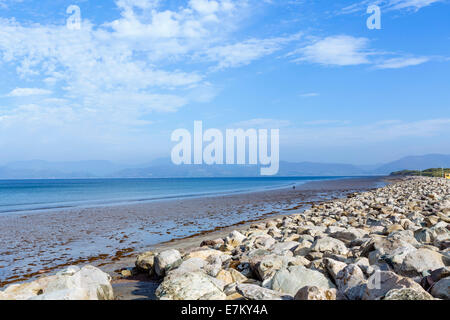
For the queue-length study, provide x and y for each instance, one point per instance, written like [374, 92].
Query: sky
[136, 70]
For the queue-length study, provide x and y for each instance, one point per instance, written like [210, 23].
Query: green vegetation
[433, 172]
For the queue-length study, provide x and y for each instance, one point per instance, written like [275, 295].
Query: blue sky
[139, 69]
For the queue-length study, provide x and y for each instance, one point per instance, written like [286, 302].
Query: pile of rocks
[391, 243]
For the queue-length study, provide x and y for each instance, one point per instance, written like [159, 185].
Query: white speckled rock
[420, 261]
[87, 283]
[328, 244]
[254, 292]
[167, 260]
[190, 286]
[292, 279]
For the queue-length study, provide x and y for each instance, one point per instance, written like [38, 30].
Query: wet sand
[110, 237]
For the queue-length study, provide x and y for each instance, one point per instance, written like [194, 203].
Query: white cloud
[344, 50]
[309, 94]
[262, 123]
[326, 122]
[341, 50]
[389, 5]
[410, 4]
[24, 92]
[402, 62]
[243, 53]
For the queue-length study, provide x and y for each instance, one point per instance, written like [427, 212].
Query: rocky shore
[391, 243]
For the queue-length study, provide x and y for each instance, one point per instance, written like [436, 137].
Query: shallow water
[18, 196]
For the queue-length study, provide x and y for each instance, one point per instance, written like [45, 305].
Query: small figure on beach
[293, 187]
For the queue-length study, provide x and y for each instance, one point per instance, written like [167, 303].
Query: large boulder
[421, 261]
[266, 266]
[204, 253]
[231, 276]
[234, 239]
[348, 234]
[351, 282]
[333, 267]
[254, 292]
[407, 294]
[441, 289]
[387, 250]
[145, 261]
[190, 286]
[315, 293]
[189, 265]
[290, 280]
[328, 244]
[381, 282]
[167, 260]
[73, 283]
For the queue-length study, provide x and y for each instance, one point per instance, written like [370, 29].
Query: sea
[31, 196]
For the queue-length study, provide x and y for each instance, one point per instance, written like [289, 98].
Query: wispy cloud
[345, 50]
[396, 63]
[326, 122]
[262, 123]
[340, 50]
[24, 92]
[309, 94]
[389, 5]
[243, 53]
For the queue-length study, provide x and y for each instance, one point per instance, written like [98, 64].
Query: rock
[292, 279]
[348, 234]
[189, 265]
[407, 294]
[216, 243]
[203, 253]
[364, 264]
[441, 289]
[235, 238]
[421, 261]
[351, 282]
[315, 293]
[303, 246]
[333, 267]
[266, 266]
[190, 286]
[436, 275]
[328, 244]
[388, 250]
[263, 242]
[231, 276]
[281, 247]
[87, 283]
[392, 228]
[254, 292]
[213, 265]
[145, 261]
[381, 282]
[126, 273]
[167, 260]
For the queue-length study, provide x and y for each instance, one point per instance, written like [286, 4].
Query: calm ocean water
[18, 196]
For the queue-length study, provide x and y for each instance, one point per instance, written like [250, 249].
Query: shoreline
[259, 205]
[115, 202]
[410, 259]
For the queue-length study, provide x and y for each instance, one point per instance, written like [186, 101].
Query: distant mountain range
[162, 168]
